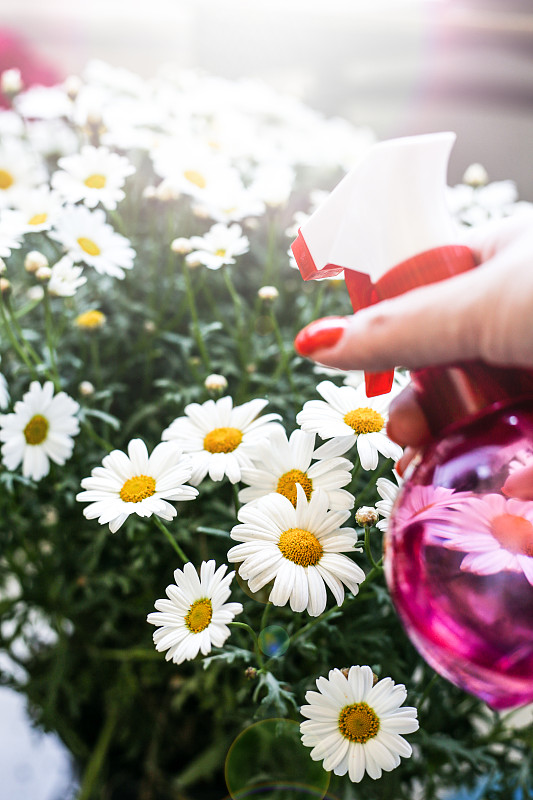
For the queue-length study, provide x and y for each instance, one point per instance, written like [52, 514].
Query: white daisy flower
[229, 203]
[20, 171]
[191, 168]
[388, 491]
[348, 412]
[65, 278]
[195, 617]
[4, 392]
[89, 238]
[137, 483]
[12, 229]
[94, 175]
[495, 533]
[39, 430]
[39, 208]
[281, 463]
[355, 727]
[221, 438]
[218, 246]
[299, 548]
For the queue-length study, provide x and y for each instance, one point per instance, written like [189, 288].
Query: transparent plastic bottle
[459, 546]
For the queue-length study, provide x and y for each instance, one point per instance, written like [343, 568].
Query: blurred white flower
[218, 246]
[94, 175]
[12, 230]
[89, 238]
[20, 170]
[65, 278]
[40, 208]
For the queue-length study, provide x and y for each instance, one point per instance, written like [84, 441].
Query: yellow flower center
[90, 319]
[300, 546]
[199, 615]
[88, 246]
[222, 440]
[137, 488]
[358, 722]
[37, 219]
[6, 179]
[193, 176]
[364, 420]
[220, 252]
[514, 533]
[95, 181]
[36, 430]
[287, 484]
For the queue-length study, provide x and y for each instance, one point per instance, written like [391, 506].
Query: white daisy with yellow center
[94, 175]
[40, 208]
[87, 237]
[281, 463]
[221, 438]
[39, 430]
[137, 483]
[195, 616]
[21, 170]
[218, 246]
[192, 168]
[299, 548]
[354, 726]
[348, 412]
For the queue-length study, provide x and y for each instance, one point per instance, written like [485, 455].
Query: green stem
[252, 633]
[95, 358]
[372, 481]
[104, 444]
[265, 614]
[194, 316]
[236, 502]
[163, 528]
[18, 331]
[427, 690]
[14, 341]
[368, 549]
[98, 755]
[49, 332]
[284, 358]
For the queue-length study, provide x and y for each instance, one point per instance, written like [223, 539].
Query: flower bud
[476, 175]
[366, 516]
[181, 245]
[11, 82]
[34, 261]
[215, 383]
[91, 320]
[268, 293]
[86, 389]
[43, 273]
[5, 286]
[72, 85]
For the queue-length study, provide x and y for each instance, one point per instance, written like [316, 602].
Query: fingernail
[319, 335]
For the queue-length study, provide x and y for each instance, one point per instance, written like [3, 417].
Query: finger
[434, 324]
[407, 424]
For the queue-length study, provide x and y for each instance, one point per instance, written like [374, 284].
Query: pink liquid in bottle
[459, 550]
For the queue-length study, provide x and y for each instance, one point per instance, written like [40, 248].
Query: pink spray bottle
[459, 546]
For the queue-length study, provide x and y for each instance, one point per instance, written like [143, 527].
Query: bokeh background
[399, 66]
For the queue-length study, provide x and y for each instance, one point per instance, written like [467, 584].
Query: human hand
[482, 314]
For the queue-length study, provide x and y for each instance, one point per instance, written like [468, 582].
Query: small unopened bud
[11, 82]
[215, 383]
[35, 293]
[476, 175]
[34, 261]
[150, 326]
[5, 286]
[149, 192]
[346, 670]
[181, 245]
[86, 389]
[166, 192]
[268, 293]
[192, 261]
[250, 673]
[366, 516]
[72, 86]
[43, 273]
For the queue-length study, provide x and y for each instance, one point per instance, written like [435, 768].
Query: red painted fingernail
[319, 335]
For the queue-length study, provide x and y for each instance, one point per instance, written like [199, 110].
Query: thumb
[433, 324]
